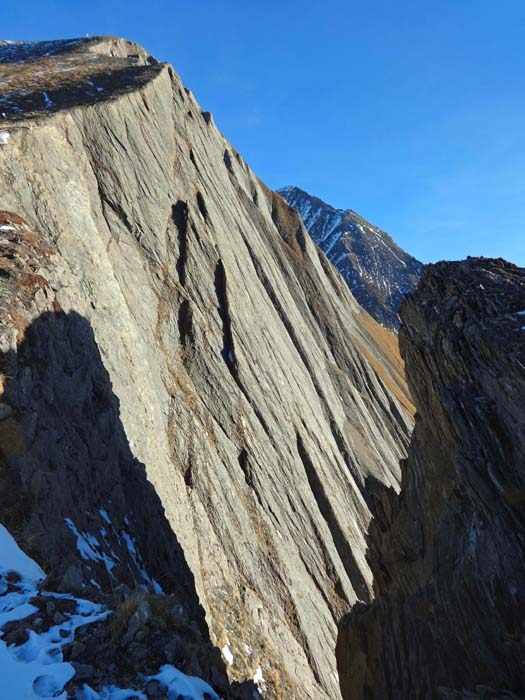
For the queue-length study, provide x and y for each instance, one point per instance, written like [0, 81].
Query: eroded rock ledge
[447, 554]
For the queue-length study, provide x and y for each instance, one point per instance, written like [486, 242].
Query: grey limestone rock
[196, 395]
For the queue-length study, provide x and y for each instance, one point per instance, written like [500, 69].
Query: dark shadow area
[447, 553]
[77, 499]
[221, 290]
[449, 607]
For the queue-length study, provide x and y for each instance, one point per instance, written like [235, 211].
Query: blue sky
[411, 113]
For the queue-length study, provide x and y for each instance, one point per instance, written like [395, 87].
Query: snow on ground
[22, 51]
[48, 101]
[226, 652]
[36, 669]
[178, 684]
[181, 685]
[13, 559]
[139, 563]
[258, 678]
[89, 548]
[104, 515]
[110, 692]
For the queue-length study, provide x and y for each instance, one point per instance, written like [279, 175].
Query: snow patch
[110, 692]
[258, 677]
[88, 547]
[226, 652]
[180, 685]
[13, 559]
[36, 668]
[105, 515]
[48, 101]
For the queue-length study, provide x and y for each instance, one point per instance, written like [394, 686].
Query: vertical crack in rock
[192, 158]
[185, 324]
[228, 349]
[202, 205]
[228, 161]
[336, 433]
[340, 541]
[255, 194]
[228, 352]
[180, 215]
[244, 463]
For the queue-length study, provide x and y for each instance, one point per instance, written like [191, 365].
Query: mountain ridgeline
[378, 272]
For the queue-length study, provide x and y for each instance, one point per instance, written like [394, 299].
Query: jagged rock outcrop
[255, 396]
[378, 272]
[448, 553]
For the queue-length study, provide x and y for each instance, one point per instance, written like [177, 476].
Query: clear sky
[410, 112]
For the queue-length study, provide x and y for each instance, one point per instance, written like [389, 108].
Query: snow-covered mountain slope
[378, 272]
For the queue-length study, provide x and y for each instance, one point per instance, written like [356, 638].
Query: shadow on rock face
[448, 616]
[447, 553]
[77, 499]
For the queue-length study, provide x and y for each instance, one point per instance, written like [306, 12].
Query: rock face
[192, 399]
[378, 272]
[448, 554]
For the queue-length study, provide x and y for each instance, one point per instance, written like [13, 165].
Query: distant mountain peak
[378, 272]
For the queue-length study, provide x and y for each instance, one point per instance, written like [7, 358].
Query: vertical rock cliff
[447, 553]
[193, 402]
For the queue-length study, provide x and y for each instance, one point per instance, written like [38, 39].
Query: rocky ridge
[378, 272]
[193, 402]
[448, 619]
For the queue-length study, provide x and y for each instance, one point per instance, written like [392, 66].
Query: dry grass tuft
[121, 616]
